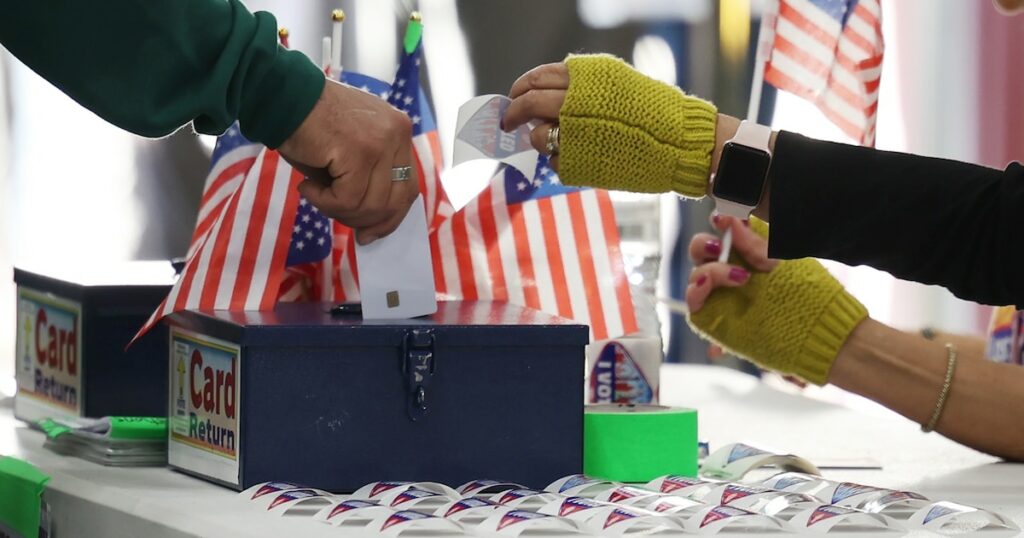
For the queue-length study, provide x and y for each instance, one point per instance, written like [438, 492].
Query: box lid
[463, 323]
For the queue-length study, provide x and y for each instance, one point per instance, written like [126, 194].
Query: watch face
[741, 174]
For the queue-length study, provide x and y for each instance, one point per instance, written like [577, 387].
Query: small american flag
[536, 243]
[830, 52]
[241, 240]
[407, 96]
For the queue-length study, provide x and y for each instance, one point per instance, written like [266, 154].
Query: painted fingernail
[701, 280]
[501, 124]
[713, 247]
[746, 222]
[716, 219]
[737, 274]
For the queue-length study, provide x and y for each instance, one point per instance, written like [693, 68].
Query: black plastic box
[73, 325]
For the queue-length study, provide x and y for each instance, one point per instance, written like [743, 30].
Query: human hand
[347, 147]
[538, 95]
[789, 316]
[618, 129]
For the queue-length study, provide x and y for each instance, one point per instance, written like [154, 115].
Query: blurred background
[73, 188]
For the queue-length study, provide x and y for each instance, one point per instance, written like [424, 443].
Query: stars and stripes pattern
[407, 96]
[537, 243]
[830, 52]
[241, 240]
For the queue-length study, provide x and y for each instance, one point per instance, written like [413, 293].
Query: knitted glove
[621, 130]
[792, 320]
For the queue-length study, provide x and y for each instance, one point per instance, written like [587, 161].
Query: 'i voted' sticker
[828, 518]
[734, 461]
[470, 511]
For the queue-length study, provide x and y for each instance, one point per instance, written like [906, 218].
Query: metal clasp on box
[418, 367]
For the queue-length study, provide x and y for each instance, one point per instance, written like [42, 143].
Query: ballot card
[396, 273]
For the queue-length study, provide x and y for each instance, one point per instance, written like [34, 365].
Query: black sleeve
[929, 220]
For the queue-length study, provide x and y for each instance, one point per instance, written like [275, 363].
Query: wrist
[725, 130]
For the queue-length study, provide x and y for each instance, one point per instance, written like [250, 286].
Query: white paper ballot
[478, 135]
[396, 274]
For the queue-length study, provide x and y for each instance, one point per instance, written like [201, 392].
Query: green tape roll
[639, 443]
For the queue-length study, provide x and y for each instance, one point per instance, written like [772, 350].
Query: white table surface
[89, 500]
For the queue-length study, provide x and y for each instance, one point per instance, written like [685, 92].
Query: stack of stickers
[579, 505]
[113, 441]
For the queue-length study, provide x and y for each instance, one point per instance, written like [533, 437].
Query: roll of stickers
[637, 443]
[624, 370]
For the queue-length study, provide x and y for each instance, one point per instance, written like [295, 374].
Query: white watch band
[755, 136]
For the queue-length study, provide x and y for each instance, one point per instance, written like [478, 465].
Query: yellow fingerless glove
[792, 320]
[622, 130]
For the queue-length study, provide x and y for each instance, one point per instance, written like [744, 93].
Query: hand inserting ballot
[348, 147]
[790, 316]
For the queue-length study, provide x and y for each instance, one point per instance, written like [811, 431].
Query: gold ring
[552, 145]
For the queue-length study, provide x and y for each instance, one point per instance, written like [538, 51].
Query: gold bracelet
[944, 393]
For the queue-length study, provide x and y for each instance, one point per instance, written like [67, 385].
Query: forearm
[905, 372]
[151, 67]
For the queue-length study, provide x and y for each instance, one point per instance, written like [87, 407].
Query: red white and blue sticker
[618, 515]
[403, 517]
[513, 495]
[719, 513]
[272, 487]
[822, 513]
[486, 486]
[624, 493]
[381, 487]
[293, 495]
[413, 494]
[846, 490]
[938, 511]
[674, 482]
[787, 480]
[740, 451]
[468, 504]
[572, 481]
[348, 506]
[616, 378]
[573, 505]
[734, 492]
[518, 516]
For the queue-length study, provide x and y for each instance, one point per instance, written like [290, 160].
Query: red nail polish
[715, 219]
[701, 280]
[737, 274]
[713, 247]
[746, 222]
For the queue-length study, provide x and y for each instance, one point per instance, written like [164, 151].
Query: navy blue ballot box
[477, 390]
[74, 322]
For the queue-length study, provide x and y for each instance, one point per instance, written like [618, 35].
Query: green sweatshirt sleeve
[151, 66]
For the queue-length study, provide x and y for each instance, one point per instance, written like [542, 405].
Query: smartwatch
[742, 171]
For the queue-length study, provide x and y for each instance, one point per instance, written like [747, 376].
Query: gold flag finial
[338, 15]
[415, 16]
